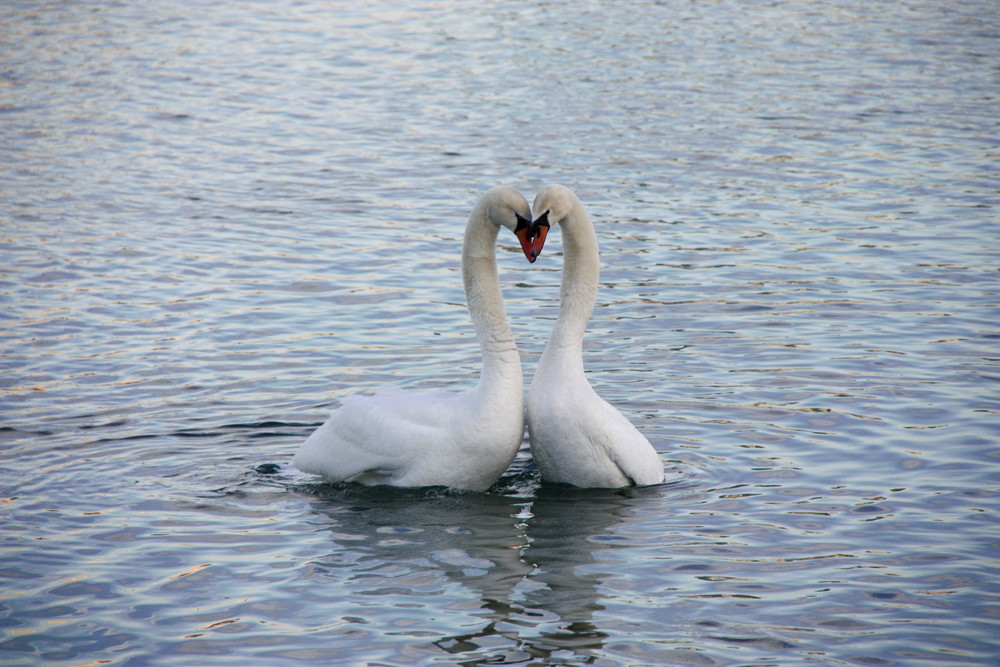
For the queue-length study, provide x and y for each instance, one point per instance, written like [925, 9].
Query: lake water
[219, 219]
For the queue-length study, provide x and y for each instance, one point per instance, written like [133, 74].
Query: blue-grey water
[219, 219]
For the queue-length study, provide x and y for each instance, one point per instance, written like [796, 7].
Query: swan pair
[466, 441]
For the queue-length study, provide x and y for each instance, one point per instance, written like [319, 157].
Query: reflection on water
[565, 528]
[219, 219]
[524, 559]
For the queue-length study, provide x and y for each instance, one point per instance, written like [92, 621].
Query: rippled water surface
[219, 219]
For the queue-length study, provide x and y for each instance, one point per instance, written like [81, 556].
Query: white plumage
[464, 441]
[576, 436]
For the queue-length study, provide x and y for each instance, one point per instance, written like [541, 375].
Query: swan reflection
[520, 574]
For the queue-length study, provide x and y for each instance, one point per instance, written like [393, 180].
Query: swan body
[576, 436]
[432, 438]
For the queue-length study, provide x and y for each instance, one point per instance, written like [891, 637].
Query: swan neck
[578, 287]
[485, 301]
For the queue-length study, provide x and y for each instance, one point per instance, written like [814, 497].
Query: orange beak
[539, 230]
[523, 233]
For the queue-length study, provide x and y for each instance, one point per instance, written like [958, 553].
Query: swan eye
[522, 223]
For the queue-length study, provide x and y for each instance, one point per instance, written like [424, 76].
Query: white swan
[577, 437]
[464, 441]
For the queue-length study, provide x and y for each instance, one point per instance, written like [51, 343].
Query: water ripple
[221, 219]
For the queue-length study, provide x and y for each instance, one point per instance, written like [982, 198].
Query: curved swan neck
[578, 288]
[482, 292]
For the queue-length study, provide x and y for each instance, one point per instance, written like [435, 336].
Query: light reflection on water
[218, 220]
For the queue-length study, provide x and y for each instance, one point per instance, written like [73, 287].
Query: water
[218, 219]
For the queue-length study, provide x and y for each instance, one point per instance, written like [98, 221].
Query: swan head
[508, 208]
[552, 204]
